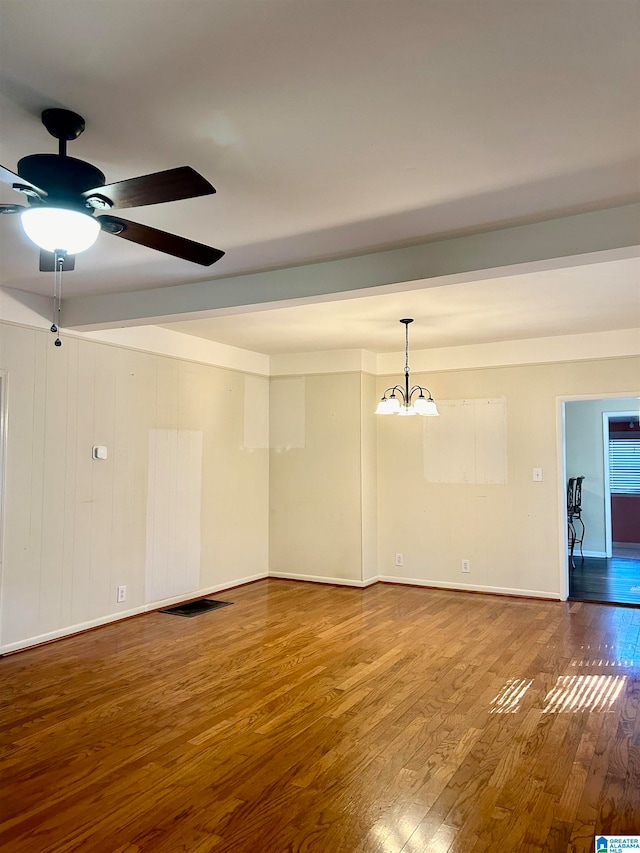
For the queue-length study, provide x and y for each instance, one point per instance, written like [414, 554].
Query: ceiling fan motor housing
[64, 178]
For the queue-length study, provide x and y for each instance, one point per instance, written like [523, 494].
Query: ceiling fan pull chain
[58, 265]
[54, 327]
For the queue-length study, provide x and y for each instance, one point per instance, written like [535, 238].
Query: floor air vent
[195, 608]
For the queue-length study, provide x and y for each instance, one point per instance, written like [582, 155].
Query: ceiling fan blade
[171, 185]
[171, 244]
[9, 177]
[12, 208]
[47, 262]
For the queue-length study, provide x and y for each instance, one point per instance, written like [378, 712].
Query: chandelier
[405, 404]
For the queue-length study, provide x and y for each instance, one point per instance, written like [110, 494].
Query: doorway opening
[602, 446]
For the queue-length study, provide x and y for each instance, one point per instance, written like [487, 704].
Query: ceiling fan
[64, 193]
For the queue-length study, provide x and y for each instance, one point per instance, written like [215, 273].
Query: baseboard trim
[293, 576]
[459, 587]
[81, 627]
[427, 584]
[586, 553]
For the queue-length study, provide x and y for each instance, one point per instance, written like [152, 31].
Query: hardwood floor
[616, 579]
[314, 718]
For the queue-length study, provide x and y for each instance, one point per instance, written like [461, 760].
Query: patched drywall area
[287, 416]
[256, 413]
[467, 443]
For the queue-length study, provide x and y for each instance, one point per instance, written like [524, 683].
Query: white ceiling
[338, 127]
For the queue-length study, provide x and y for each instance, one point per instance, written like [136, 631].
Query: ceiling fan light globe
[57, 228]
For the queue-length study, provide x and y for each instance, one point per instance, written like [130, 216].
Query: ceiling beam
[566, 241]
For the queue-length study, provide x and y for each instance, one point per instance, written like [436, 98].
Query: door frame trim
[561, 467]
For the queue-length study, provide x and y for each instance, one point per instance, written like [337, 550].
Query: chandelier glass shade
[407, 401]
[61, 229]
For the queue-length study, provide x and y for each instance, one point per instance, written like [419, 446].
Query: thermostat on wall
[99, 452]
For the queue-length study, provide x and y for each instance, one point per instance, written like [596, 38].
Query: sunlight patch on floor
[509, 698]
[583, 693]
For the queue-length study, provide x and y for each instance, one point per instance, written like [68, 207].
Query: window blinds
[624, 466]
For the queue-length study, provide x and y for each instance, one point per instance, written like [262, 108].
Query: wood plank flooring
[313, 718]
[616, 579]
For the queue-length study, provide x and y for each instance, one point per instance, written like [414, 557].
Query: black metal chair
[574, 513]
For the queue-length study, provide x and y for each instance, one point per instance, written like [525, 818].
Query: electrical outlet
[466, 566]
[537, 475]
[399, 559]
[122, 594]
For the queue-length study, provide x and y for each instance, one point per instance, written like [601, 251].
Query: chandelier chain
[397, 400]
[406, 349]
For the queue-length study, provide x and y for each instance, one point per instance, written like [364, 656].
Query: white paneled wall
[173, 513]
[76, 528]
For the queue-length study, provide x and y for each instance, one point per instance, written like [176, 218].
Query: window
[624, 466]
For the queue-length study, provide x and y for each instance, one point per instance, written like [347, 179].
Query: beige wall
[509, 532]
[585, 457]
[323, 478]
[315, 489]
[76, 528]
[369, 477]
